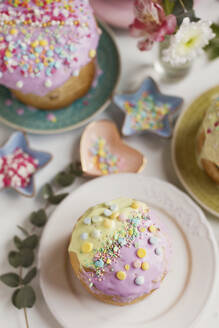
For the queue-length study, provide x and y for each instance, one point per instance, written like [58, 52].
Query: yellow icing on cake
[83, 233]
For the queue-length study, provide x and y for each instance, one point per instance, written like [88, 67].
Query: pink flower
[151, 23]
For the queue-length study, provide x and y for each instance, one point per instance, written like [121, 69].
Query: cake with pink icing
[47, 50]
[120, 251]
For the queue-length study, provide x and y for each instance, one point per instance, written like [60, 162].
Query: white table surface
[14, 209]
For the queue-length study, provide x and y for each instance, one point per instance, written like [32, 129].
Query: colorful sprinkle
[99, 263]
[145, 266]
[96, 219]
[84, 236]
[87, 221]
[136, 264]
[114, 215]
[127, 267]
[51, 117]
[16, 169]
[139, 280]
[96, 233]
[103, 159]
[135, 205]
[20, 111]
[152, 228]
[108, 223]
[147, 113]
[141, 252]
[114, 207]
[121, 275]
[158, 251]
[152, 240]
[86, 247]
[107, 212]
[19, 84]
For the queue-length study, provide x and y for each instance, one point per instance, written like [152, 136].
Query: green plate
[193, 178]
[21, 117]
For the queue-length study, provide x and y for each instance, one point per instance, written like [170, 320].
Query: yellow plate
[193, 178]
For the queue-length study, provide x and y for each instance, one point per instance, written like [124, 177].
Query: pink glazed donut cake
[47, 50]
[119, 251]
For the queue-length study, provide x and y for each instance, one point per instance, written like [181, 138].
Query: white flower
[188, 42]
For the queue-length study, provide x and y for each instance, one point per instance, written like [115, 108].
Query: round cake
[119, 251]
[47, 50]
[208, 142]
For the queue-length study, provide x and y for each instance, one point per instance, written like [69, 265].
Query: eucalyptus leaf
[10, 279]
[29, 276]
[75, 168]
[185, 10]
[14, 258]
[64, 179]
[27, 257]
[38, 218]
[25, 232]
[56, 199]
[24, 297]
[17, 242]
[47, 191]
[212, 48]
[30, 242]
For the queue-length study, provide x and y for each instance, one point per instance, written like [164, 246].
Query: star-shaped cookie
[19, 163]
[148, 110]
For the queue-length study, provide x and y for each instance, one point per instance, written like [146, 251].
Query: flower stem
[182, 4]
[26, 319]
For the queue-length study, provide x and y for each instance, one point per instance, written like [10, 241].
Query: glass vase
[167, 69]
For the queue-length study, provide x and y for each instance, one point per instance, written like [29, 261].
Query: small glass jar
[167, 69]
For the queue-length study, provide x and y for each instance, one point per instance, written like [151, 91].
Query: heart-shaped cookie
[103, 151]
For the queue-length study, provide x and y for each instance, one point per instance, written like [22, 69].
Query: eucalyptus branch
[26, 318]
[23, 256]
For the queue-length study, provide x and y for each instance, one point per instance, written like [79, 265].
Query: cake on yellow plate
[47, 50]
[208, 142]
[119, 251]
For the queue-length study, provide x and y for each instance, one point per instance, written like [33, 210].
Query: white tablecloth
[14, 209]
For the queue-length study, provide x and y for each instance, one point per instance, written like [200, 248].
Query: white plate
[183, 294]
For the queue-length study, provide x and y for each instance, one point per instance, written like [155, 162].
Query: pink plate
[118, 13]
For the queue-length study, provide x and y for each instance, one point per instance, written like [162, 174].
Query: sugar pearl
[86, 247]
[158, 251]
[107, 212]
[19, 84]
[48, 83]
[96, 219]
[84, 236]
[152, 240]
[139, 280]
[121, 275]
[136, 264]
[96, 233]
[87, 221]
[114, 207]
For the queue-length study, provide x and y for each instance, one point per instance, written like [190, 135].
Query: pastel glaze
[44, 42]
[130, 256]
[210, 126]
[127, 158]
